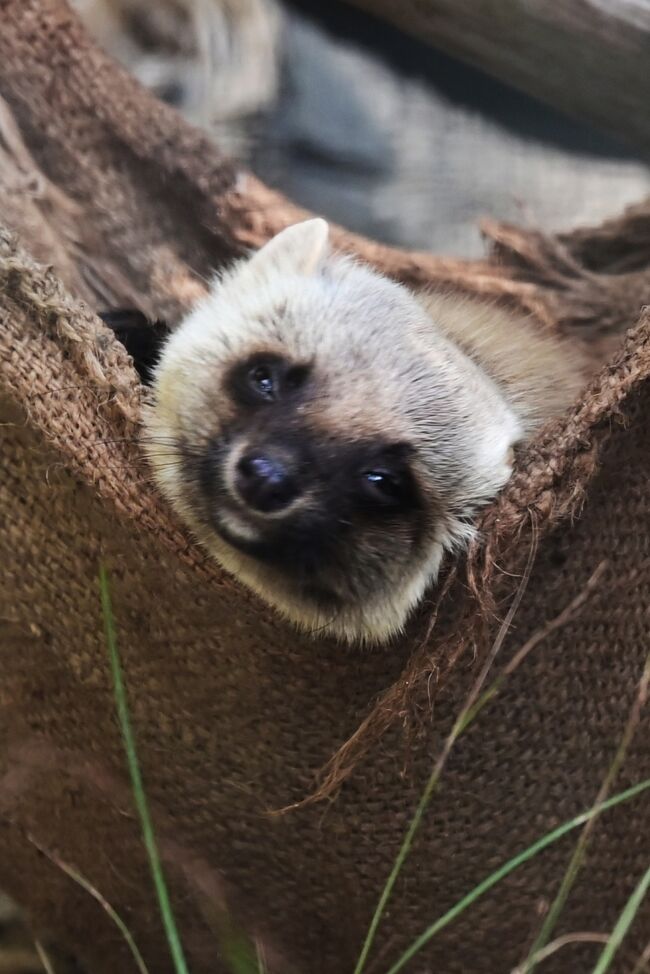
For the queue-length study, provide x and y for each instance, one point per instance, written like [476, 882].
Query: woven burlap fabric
[235, 713]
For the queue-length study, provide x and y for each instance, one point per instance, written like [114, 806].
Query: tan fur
[459, 382]
[539, 373]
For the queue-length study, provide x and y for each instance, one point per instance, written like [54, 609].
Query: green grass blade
[397, 866]
[240, 954]
[623, 924]
[103, 902]
[469, 711]
[509, 867]
[139, 795]
[578, 855]
[261, 961]
[47, 965]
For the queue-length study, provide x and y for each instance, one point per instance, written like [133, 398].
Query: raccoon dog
[328, 434]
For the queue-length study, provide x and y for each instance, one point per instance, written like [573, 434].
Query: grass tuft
[623, 924]
[140, 798]
[578, 855]
[243, 957]
[467, 714]
[509, 867]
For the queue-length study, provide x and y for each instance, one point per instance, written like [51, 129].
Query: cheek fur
[336, 538]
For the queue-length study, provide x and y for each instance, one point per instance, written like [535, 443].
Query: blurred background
[373, 128]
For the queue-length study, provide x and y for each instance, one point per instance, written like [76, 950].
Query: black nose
[265, 483]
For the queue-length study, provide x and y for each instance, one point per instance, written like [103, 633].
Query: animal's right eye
[382, 486]
[262, 381]
[266, 378]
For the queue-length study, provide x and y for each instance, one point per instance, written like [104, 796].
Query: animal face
[323, 438]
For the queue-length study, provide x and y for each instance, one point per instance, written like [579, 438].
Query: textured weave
[235, 713]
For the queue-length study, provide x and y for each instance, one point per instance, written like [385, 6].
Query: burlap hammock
[235, 713]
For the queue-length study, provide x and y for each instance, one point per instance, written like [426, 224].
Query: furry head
[325, 436]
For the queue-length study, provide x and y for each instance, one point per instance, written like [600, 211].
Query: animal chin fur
[458, 382]
[370, 622]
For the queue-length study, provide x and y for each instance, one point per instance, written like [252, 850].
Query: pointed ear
[296, 250]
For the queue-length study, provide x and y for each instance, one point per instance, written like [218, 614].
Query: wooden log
[588, 58]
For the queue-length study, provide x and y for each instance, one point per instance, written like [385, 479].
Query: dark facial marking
[266, 482]
[385, 478]
[357, 492]
[265, 378]
[360, 513]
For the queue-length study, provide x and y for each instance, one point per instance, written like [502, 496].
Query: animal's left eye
[262, 380]
[382, 486]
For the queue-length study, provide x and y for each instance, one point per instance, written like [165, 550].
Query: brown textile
[236, 714]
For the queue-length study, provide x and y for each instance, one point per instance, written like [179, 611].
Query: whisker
[144, 480]
[150, 476]
[53, 392]
[138, 439]
[326, 624]
[158, 448]
[172, 460]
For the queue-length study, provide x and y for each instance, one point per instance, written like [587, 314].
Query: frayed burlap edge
[78, 387]
[550, 483]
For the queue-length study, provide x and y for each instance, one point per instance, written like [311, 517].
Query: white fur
[463, 382]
